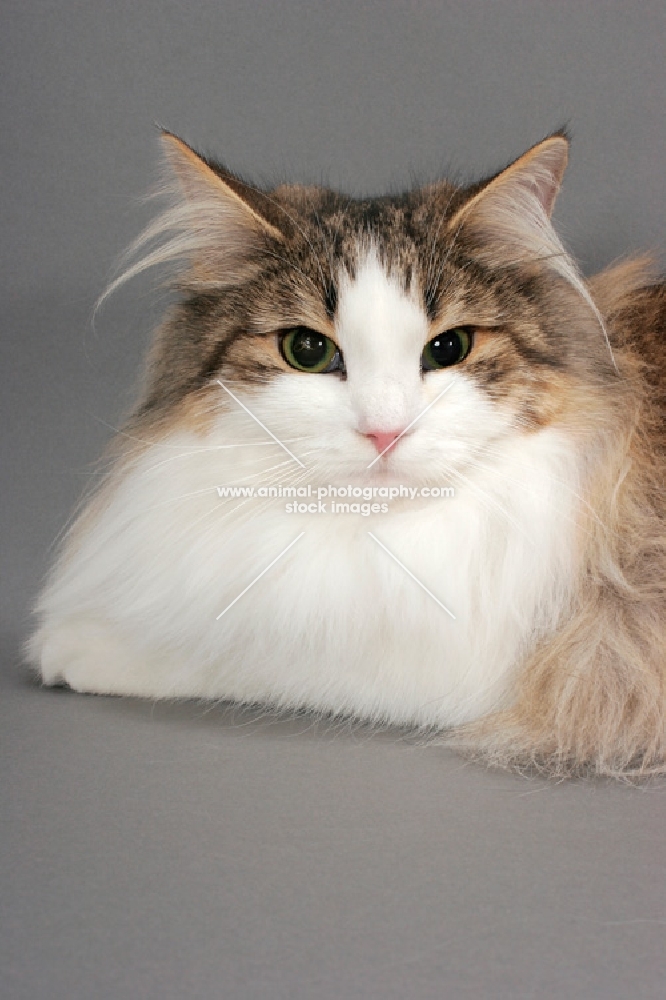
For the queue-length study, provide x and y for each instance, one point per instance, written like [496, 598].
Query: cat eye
[309, 351]
[446, 349]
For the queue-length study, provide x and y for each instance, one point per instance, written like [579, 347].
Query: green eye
[446, 349]
[310, 351]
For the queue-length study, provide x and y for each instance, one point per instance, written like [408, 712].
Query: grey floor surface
[169, 851]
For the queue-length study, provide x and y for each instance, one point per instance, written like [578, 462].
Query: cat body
[438, 338]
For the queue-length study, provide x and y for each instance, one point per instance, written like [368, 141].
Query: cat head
[426, 326]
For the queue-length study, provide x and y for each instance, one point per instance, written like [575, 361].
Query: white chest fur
[336, 624]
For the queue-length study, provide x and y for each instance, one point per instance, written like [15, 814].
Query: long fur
[551, 558]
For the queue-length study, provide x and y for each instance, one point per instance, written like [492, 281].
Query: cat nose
[383, 440]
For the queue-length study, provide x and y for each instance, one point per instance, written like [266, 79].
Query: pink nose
[383, 440]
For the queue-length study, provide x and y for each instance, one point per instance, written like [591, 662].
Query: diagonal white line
[404, 431]
[258, 577]
[415, 579]
[263, 426]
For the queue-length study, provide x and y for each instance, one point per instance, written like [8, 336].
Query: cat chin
[420, 616]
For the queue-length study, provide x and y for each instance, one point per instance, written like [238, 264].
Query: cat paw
[82, 655]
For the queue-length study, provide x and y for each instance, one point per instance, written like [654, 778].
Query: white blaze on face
[381, 330]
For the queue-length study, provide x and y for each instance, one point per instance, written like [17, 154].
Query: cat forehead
[399, 226]
[375, 302]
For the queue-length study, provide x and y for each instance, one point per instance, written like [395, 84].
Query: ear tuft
[509, 218]
[214, 230]
[528, 187]
[198, 181]
[189, 168]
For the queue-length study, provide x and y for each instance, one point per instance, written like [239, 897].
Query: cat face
[390, 337]
[394, 373]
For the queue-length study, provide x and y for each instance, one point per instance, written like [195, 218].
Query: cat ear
[514, 206]
[241, 205]
[215, 230]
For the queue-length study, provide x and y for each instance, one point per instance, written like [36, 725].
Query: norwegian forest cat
[441, 337]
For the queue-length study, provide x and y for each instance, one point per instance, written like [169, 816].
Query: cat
[440, 337]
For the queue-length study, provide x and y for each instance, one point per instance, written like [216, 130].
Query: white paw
[83, 654]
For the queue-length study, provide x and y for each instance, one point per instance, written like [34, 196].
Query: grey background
[168, 851]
